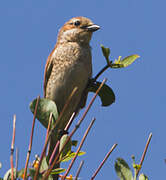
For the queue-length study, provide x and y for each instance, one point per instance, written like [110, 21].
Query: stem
[102, 163]
[31, 139]
[12, 147]
[51, 132]
[48, 128]
[144, 153]
[79, 170]
[101, 71]
[17, 156]
[65, 106]
[57, 144]
[73, 131]
[70, 121]
[52, 154]
[45, 145]
[78, 150]
[91, 102]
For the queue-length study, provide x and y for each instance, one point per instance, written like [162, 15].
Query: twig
[91, 102]
[79, 170]
[73, 116]
[51, 131]
[73, 131]
[102, 163]
[101, 71]
[12, 148]
[59, 118]
[144, 153]
[17, 156]
[65, 106]
[31, 139]
[45, 145]
[57, 144]
[54, 152]
[48, 128]
[78, 150]
[70, 121]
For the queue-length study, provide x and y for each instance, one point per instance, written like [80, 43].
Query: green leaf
[58, 171]
[124, 62]
[44, 164]
[123, 170]
[106, 53]
[67, 149]
[70, 156]
[106, 94]
[143, 177]
[32, 173]
[50, 177]
[20, 173]
[7, 175]
[74, 143]
[45, 107]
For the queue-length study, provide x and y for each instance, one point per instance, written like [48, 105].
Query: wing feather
[47, 71]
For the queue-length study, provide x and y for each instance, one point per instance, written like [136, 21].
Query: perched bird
[69, 65]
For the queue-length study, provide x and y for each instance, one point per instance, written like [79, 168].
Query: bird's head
[77, 29]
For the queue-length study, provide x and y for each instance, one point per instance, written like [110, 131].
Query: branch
[73, 131]
[78, 150]
[12, 148]
[59, 118]
[49, 133]
[17, 157]
[101, 71]
[65, 106]
[31, 139]
[79, 169]
[102, 163]
[70, 121]
[144, 153]
[44, 149]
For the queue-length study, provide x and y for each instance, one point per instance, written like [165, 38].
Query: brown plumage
[69, 65]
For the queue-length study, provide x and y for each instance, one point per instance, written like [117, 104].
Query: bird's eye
[77, 23]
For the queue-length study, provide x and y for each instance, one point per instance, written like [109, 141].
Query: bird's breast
[72, 67]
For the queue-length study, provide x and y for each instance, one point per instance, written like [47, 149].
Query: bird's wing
[47, 71]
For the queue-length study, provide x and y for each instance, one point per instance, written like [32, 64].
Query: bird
[69, 65]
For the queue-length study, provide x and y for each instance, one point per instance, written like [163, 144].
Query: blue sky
[27, 35]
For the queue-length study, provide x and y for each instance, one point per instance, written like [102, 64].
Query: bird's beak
[91, 28]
